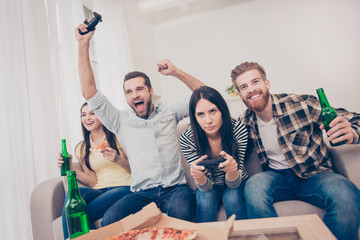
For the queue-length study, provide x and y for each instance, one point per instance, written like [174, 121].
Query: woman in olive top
[105, 173]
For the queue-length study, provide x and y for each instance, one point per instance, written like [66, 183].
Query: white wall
[303, 45]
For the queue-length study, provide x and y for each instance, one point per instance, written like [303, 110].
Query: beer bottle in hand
[75, 209]
[327, 113]
[66, 165]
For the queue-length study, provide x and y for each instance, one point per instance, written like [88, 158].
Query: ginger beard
[254, 104]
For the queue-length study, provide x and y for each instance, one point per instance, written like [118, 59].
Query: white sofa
[48, 197]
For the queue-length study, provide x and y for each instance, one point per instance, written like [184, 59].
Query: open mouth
[255, 96]
[89, 124]
[139, 106]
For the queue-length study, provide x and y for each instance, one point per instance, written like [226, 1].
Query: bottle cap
[319, 90]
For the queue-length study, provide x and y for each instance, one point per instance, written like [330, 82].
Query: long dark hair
[226, 129]
[85, 145]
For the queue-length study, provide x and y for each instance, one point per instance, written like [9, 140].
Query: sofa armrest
[346, 161]
[46, 203]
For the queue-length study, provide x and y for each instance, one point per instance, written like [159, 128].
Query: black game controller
[92, 24]
[211, 163]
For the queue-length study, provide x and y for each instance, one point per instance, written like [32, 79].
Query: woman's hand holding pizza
[110, 154]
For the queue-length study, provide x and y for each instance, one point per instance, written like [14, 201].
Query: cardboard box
[151, 216]
[305, 227]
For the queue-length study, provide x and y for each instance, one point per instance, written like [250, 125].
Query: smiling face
[254, 90]
[208, 116]
[139, 97]
[89, 119]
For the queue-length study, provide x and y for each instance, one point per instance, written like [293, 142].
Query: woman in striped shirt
[214, 133]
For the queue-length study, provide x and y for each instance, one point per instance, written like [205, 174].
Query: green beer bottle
[327, 113]
[75, 209]
[66, 165]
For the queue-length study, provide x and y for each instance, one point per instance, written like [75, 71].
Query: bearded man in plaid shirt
[286, 131]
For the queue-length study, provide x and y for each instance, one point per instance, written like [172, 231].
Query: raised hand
[83, 27]
[166, 67]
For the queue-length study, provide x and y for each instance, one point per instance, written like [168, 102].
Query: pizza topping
[164, 233]
[100, 147]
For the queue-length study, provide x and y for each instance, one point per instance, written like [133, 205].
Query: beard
[148, 109]
[260, 105]
[147, 105]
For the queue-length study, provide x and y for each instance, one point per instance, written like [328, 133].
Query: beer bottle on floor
[75, 209]
[327, 113]
[66, 165]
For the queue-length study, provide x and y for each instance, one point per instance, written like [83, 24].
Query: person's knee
[184, 192]
[341, 191]
[232, 196]
[185, 211]
[182, 205]
[256, 185]
[206, 199]
[115, 213]
[347, 198]
[110, 217]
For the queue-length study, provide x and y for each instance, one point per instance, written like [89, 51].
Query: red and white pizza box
[151, 216]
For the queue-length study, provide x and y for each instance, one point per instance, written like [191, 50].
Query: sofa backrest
[346, 160]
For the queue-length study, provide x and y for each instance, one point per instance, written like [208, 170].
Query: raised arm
[166, 67]
[87, 80]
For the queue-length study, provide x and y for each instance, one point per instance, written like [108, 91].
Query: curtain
[113, 51]
[40, 94]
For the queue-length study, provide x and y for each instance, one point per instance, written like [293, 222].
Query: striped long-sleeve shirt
[217, 176]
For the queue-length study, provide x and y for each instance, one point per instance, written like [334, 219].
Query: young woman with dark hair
[105, 173]
[214, 133]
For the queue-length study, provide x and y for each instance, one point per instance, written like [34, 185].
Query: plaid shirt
[301, 140]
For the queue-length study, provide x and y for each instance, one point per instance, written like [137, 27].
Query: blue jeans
[208, 203]
[176, 201]
[331, 191]
[97, 202]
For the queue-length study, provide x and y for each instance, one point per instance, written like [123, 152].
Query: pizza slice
[153, 233]
[100, 147]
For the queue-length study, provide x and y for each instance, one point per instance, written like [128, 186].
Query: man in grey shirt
[148, 135]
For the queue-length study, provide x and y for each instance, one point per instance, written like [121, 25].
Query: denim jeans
[176, 201]
[97, 202]
[339, 197]
[208, 203]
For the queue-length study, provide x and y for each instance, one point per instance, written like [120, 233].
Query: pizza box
[151, 216]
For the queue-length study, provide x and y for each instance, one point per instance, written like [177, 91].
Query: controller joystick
[92, 23]
[211, 163]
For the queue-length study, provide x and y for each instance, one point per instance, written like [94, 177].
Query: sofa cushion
[57, 229]
[294, 207]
